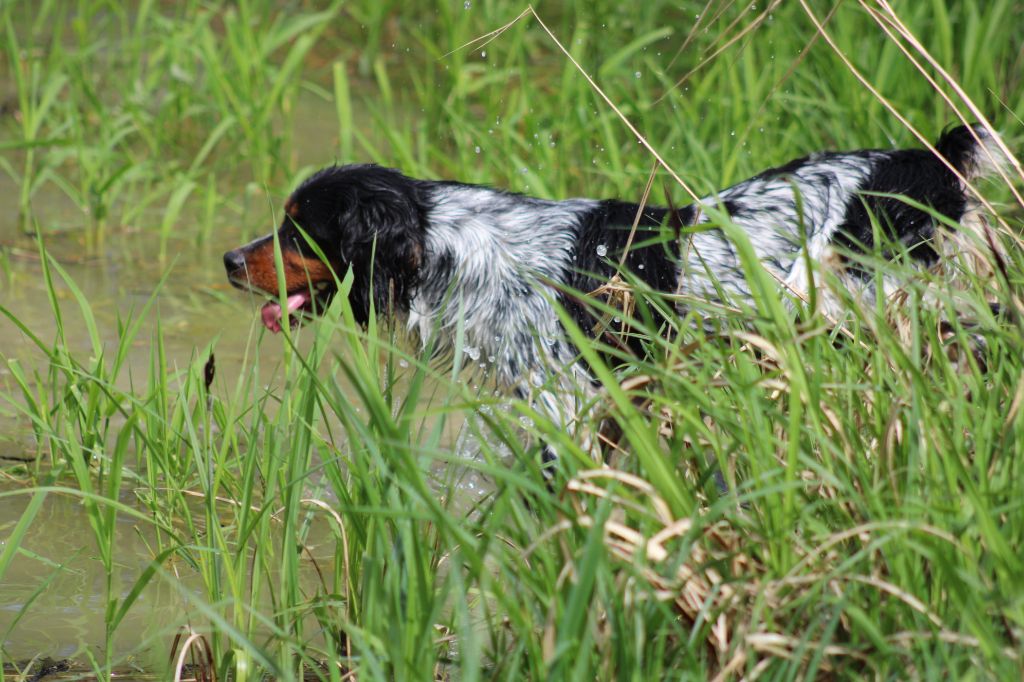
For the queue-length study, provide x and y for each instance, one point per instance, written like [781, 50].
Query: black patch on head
[369, 219]
[653, 255]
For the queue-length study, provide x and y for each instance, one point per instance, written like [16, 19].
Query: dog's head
[364, 218]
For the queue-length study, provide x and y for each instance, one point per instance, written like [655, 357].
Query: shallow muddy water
[52, 597]
[196, 305]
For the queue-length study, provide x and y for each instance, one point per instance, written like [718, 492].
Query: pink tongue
[272, 312]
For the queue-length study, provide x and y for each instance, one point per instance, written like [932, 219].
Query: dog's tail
[972, 150]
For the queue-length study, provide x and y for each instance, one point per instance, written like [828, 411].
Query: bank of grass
[790, 498]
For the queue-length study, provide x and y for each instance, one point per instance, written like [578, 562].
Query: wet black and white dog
[447, 256]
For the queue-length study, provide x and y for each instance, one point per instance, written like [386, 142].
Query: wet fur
[444, 254]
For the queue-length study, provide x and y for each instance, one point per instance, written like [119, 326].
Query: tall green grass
[789, 498]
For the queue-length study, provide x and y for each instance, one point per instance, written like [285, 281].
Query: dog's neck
[491, 266]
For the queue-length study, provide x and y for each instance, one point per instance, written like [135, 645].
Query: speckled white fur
[490, 260]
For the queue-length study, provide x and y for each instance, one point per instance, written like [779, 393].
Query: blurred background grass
[148, 106]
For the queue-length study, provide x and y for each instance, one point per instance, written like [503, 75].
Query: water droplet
[637, 74]
[640, 266]
[476, 149]
[403, 363]
[467, 4]
[483, 54]
[602, 250]
[473, 352]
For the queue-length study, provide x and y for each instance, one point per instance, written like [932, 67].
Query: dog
[492, 265]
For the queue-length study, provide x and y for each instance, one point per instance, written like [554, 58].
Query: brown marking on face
[300, 272]
[291, 207]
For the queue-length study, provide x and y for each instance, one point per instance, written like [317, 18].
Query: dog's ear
[382, 205]
[384, 230]
[396, 269]
[389, 215]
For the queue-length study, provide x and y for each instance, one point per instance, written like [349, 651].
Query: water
[52, 596]
[56, 578]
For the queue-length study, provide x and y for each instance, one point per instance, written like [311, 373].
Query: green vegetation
[316, 522]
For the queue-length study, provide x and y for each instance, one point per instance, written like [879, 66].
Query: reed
[790, 497]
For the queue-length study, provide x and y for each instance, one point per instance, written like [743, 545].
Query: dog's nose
[234, 260]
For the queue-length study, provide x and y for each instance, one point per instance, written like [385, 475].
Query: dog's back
[488, 267]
